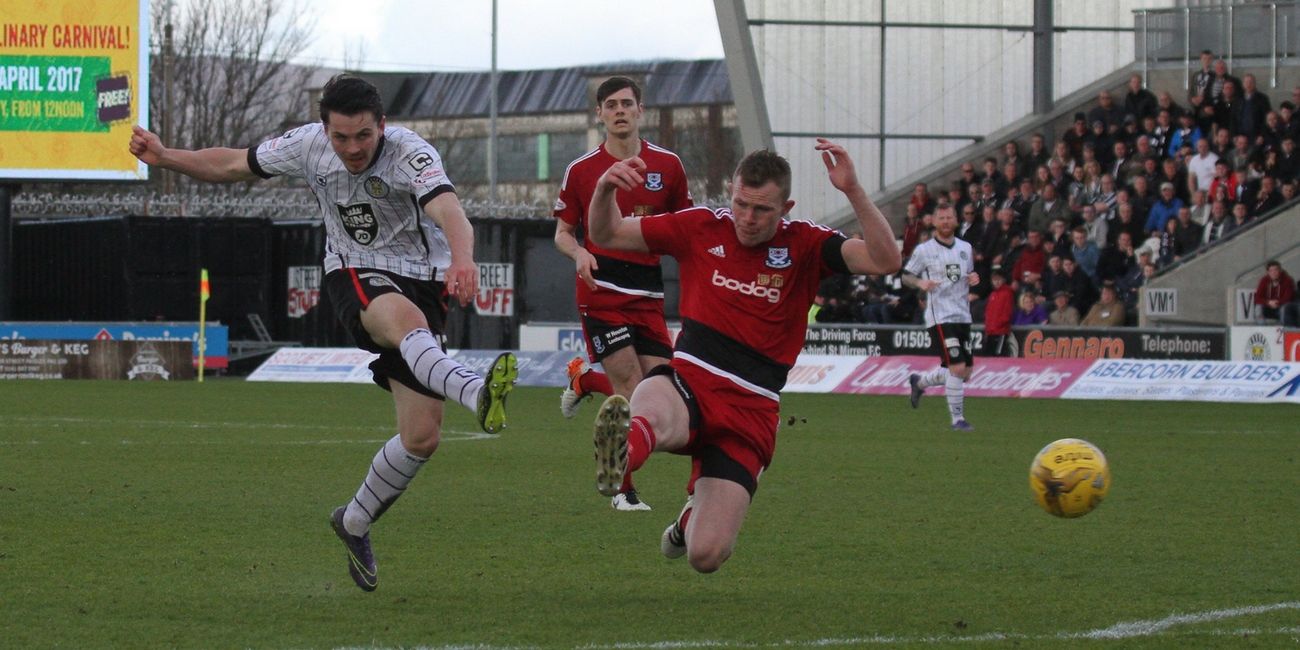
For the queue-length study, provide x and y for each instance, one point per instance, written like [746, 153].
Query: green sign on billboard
[60, 93]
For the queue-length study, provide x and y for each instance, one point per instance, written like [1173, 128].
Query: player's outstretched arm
[216, 165]
[461, 277]
[605, 225]
[876, 253]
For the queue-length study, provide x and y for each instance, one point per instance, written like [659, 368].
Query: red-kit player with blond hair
[620, 293]
[748, 277]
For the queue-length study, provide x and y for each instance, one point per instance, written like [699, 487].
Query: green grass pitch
[195, 516]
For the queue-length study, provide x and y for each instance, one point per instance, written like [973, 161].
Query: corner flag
[204, 292]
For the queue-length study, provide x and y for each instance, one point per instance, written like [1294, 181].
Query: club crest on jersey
[654, 181]
[963, 254]
[778, 257]
[953, 271]
[359, 221]
[320, 180]
[598, 344]
[376, 187]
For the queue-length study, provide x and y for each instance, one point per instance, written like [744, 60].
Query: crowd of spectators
[1068, 232]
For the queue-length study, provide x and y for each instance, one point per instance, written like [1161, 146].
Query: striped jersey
[374, 219]
[624, 279]
[949, 266]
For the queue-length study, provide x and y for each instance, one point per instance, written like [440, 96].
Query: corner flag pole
[203, 320]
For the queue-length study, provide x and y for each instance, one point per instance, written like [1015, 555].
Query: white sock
[934, 378]
[390, 472]
[438, 372]
[956, 389]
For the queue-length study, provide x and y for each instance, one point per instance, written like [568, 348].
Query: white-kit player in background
[944, 268]
[397, 245]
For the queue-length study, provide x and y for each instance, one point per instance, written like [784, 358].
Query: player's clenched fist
[624, 174]
[146, 146]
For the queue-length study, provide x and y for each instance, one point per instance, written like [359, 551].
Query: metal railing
[1268, 31]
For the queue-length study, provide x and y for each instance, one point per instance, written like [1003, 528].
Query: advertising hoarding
[74, 79]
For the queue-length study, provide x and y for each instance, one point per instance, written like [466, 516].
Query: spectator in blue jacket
[1164, 209]
[1187, 135]
[1085, 252]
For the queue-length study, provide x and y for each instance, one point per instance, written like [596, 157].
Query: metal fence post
[1231, 43]
[1273, 9]
[1146, 43]
[1187, 48]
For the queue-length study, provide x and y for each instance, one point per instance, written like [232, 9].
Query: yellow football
[1069, 477]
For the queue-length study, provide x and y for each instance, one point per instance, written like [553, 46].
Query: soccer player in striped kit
[397, 244]
[944, 268]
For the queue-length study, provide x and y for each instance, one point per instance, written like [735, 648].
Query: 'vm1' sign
[1161, 302]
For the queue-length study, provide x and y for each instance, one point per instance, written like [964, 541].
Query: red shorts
[726, 418]
[608, 331]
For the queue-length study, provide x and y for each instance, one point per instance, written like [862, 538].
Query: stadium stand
[1124, 162]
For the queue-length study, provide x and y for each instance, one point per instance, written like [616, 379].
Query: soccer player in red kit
[620, 293]
[748, 277]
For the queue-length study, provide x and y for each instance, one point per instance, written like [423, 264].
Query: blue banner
[218, 336]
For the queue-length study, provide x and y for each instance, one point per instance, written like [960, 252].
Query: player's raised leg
[626, 370]
[419, 420]
[394, 321]
[627, 433]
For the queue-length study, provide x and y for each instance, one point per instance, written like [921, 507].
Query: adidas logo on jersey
[717, 250]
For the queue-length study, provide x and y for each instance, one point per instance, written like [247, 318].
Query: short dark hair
[1272, 263]
[615, 84]
[763, 166]
[349, 95]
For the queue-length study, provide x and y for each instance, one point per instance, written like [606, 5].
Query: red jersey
[624, 279]
[744, 310]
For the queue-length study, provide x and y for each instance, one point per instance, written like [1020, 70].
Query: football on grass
[1069, 477]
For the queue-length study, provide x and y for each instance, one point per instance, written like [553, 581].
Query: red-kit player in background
[620, 293]
[748, 277]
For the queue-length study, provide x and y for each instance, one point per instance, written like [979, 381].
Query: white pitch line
[1118, 631]
[1146, 628]
[447, 436]
[856, 641]
[31, 422]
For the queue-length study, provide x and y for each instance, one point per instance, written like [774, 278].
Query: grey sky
[426, 35]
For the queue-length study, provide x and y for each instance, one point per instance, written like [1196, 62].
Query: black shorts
[953, 340]
[352, 290]
[643, 331]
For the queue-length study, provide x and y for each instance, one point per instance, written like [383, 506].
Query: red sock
[686, 518]
[597, 382]
[641, 441]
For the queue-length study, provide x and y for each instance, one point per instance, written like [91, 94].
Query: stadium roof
[563, 90]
